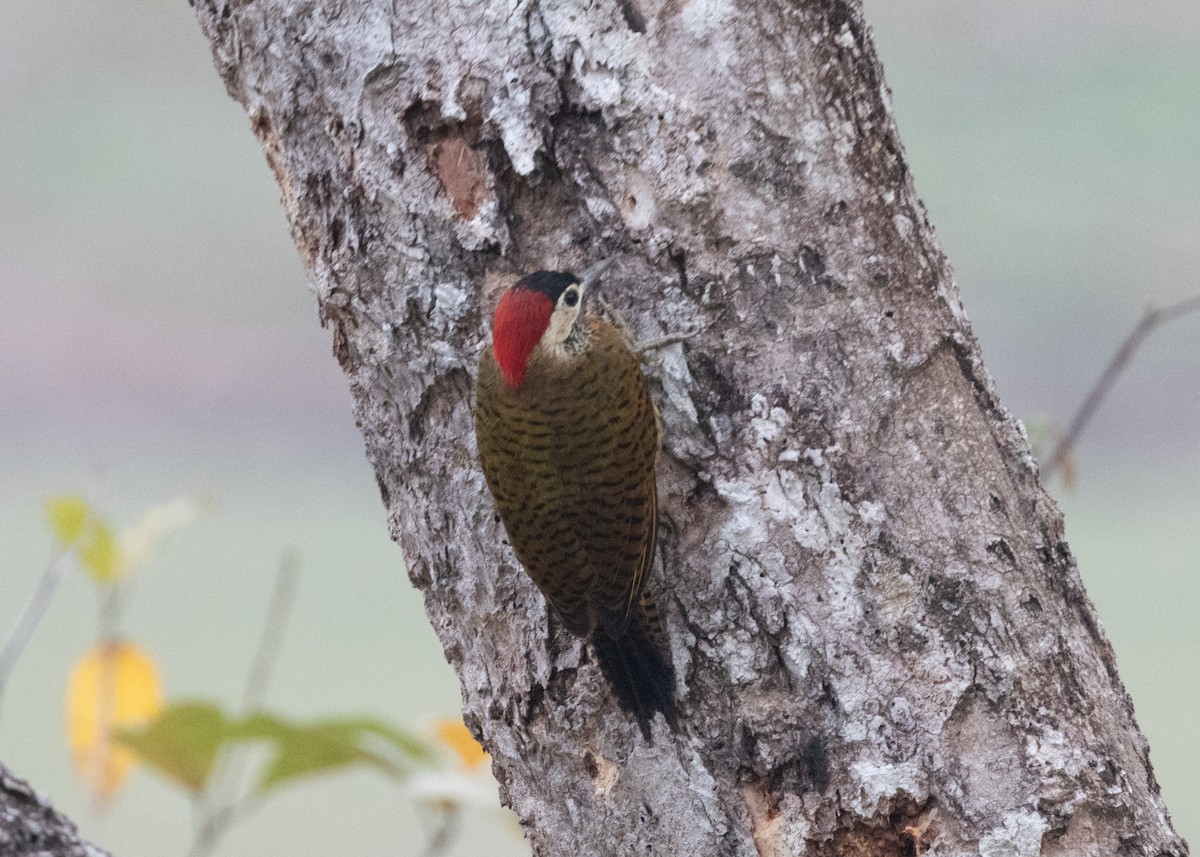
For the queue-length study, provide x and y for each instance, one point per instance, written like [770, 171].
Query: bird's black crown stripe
[550, 283]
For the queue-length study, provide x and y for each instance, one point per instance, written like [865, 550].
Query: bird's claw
[664, 341]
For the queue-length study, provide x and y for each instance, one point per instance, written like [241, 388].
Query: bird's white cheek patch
[555, 338]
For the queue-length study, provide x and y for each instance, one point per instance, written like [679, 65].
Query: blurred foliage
[455, 735]
[117, 718]
[104, 554]
[115, 685]
[184, 741]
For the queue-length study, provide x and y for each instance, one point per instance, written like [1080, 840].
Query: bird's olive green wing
[619, 509]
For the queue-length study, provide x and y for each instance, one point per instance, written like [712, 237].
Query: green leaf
[407, 744]
[68, 514]
[305, 749]
[101, 555]
[183, 741]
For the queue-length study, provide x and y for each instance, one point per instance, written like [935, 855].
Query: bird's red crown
[522, 316]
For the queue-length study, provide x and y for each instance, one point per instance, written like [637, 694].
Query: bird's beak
[591, 275]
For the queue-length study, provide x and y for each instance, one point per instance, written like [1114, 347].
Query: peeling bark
[31, 827]
[882, 640]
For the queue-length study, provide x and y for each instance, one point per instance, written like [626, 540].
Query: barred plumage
[569, 455]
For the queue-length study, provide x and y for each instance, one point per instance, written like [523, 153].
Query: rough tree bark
[31, 827]
[882, 641]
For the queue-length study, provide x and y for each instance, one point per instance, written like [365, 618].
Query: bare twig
[218, 821]
[221, 804]
[108, 638]
[267, 655]
[56, 571]
[1153, 319]
[109, 613]
[444, 835]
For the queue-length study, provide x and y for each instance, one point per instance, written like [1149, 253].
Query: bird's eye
[571, 297]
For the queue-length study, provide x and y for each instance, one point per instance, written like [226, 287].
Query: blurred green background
[157, 336]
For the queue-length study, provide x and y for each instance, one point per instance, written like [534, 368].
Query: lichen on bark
[882, 641]
[31, 827]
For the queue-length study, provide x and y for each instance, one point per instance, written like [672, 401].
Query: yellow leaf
[114, 686]
[68, 514]
[101, 555]
[455, 735]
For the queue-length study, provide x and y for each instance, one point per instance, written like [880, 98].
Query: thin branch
[107, 637]
[55, 573]
[444, 835]
[218, 822]
[1152, 320]
[109, 613]
[269, 646]
[221, 806]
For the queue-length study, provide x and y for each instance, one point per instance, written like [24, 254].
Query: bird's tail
[633, 656]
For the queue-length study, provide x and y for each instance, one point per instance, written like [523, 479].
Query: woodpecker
[568, 439]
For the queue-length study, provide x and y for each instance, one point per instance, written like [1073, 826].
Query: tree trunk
[882, 641]
[31, 827]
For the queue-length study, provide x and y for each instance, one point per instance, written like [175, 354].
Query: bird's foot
[664, 341]
[642, 346]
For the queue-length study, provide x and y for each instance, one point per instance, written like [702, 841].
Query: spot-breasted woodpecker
[568, 438]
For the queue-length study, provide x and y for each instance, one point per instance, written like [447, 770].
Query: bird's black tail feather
[638, 666]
